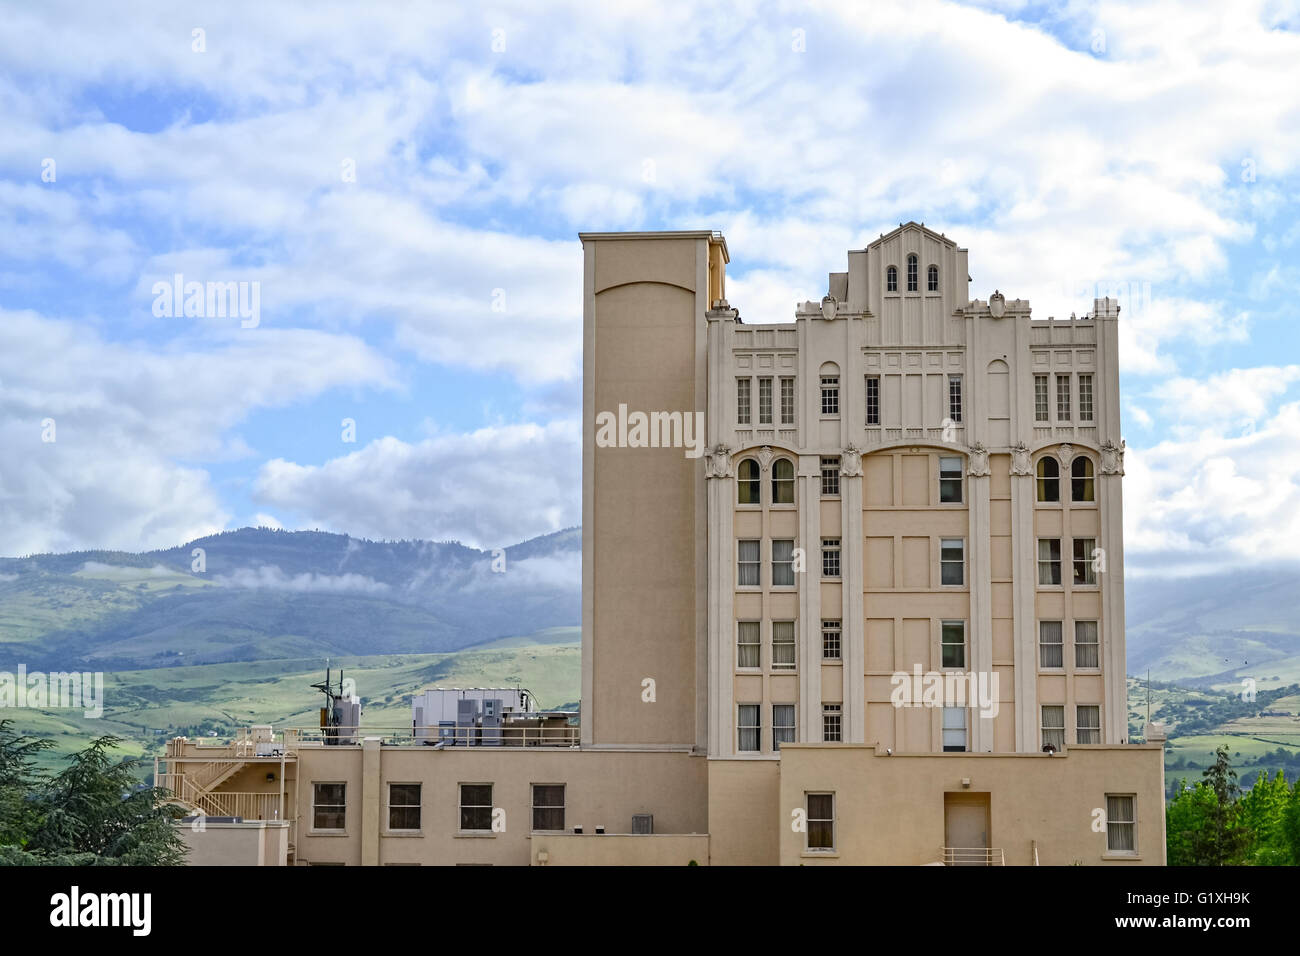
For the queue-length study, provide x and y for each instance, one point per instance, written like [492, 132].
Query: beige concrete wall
[569, 849]
[643, 558]
[263, 843]
[744, 811]
[890, 810]
[602, 788]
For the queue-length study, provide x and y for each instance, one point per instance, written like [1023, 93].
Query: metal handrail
[973, 856]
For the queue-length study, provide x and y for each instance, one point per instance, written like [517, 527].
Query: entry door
[966, 828]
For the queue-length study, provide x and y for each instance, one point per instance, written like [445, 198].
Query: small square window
[329, 806]
[548, 806]
[476, 806]
[403, 806]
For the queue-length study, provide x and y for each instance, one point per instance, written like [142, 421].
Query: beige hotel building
[873, 615]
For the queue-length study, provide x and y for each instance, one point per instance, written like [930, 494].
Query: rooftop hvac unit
[492, 707]
[491, 734]
[643, 823]
[466, 721]
[447, 732]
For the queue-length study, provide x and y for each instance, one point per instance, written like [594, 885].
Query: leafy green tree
[92, 812]
[1261, 813]
[19, 815]
[1187, 823]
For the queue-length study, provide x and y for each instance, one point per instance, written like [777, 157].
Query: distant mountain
[268, 594]
[264, 593]
[1216, 629]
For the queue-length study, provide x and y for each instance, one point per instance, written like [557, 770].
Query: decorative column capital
[1112, 457]
[719, 463]
[765, 457]
[851, 462]
[1020, 464]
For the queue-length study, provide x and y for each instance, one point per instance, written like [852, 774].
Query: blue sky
[433, 297]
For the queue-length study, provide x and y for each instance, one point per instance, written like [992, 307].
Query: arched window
[911, 274]
[1049, 479]
[891, 279]
[783, 482]
[932, 279]
[747, 475]
[1081, 479]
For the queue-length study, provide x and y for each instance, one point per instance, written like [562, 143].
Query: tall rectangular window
[1087, 724]
[765, 401]
[787, 401]
[476, 806]
[747, 644]
[1086, 646]
[783, 562]
[742, 401]
[782, 725]
[1051, 649]
[830, 557]
[954, 397]
[1063, 398]
[403, 806]
[952, 561]
[821, 821]
[548, 806]
[953, 643]
[1054, 726]
[1040, 398]
[328, 806]
[873, 399]
[831, 640]
[830, 477]
[747, 725]
[1121, 823]
[831, 723]
[954, 729]
[1085, 573]
[1049, 560]
[747, 563]
[830, 394]
[1085, 397]
[783, 645]
[950, 479]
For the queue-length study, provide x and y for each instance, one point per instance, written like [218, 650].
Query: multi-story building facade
[862, 567]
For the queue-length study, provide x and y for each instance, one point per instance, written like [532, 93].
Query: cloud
[269, 577]
[486, 488]
[1214, 501]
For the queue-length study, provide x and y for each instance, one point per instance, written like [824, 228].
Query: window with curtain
[782, 725]
[747, 725]
[747, 563]
[1049, 560]
[1087, 724]
[1049, 480]
[783, 482]
[476, 806]
[747, 482]
[1121, 823]
[1051, 647]
[747, 644]
[403, 806]
[1081, 480]
[954, 729]
[1085, 575]
[1054, 726]
[1086, 646]
[783, 562]
[783, 645]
